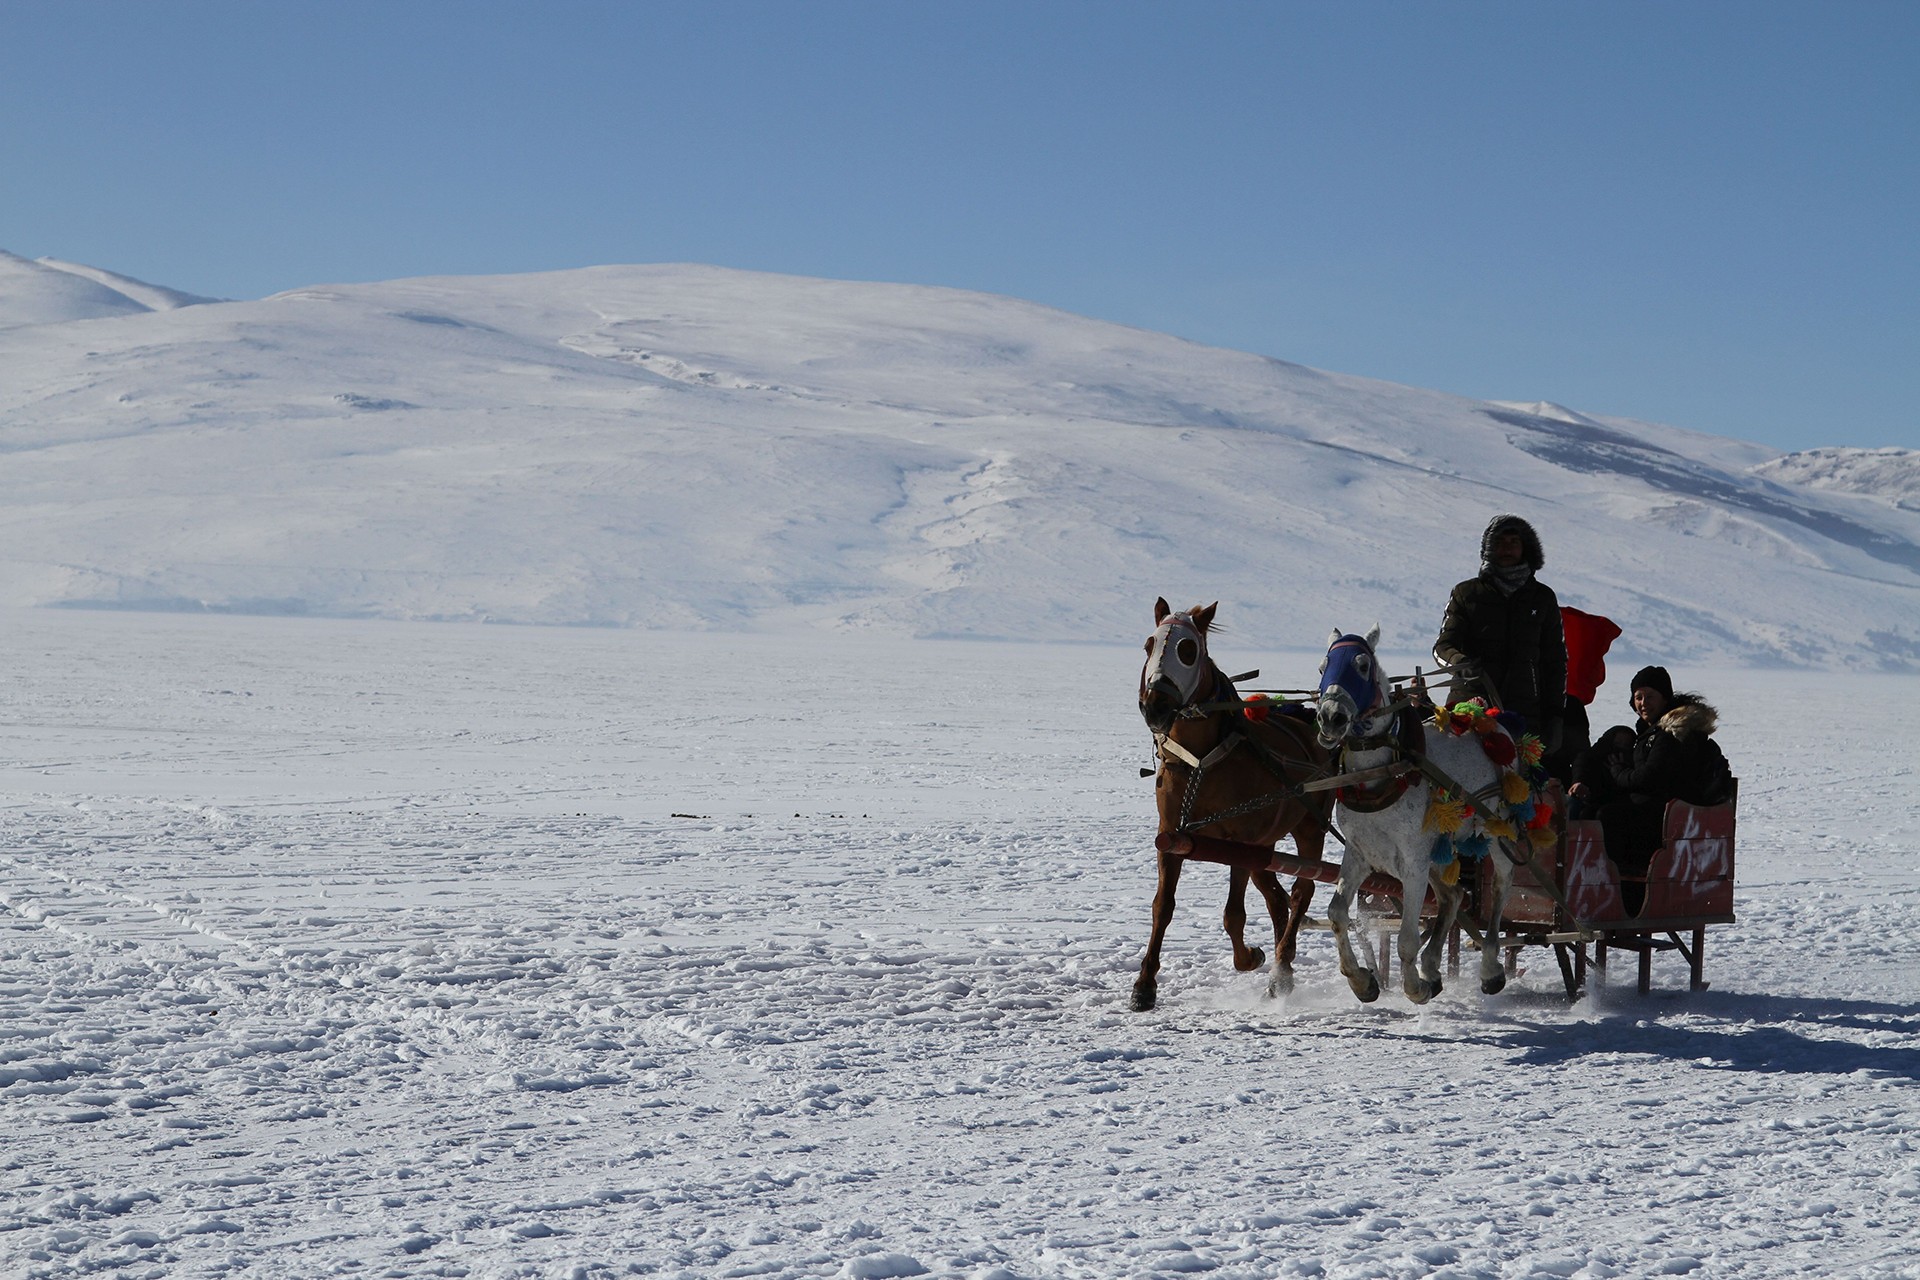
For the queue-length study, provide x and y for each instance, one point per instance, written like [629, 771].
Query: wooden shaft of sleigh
[1254, 857]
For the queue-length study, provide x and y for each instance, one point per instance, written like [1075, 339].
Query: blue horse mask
[1350, 685]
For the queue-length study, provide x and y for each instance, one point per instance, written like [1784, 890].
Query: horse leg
[1297, 903]
[1309, 839]
[1413, 897]
[1361, 977]
[1146, 990]
[1422, 972]
[1447, 897]
[1269, 886]
[1493, 974]
[1245, 958]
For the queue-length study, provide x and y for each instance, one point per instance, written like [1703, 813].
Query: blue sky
[1697, 212]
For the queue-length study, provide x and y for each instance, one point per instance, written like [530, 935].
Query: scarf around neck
[1508, 580]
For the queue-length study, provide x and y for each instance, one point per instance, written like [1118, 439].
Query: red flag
[1588, 637]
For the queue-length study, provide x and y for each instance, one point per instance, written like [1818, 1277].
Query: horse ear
[1333, 637]
[1203, 618]
[1373, 637]
[1160, 610]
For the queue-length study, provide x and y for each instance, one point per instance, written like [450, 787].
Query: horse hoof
[1495, 985]
[1250, 960]
[1423, 990]
[1145, 994]
[1281, 983]
[1368, 991]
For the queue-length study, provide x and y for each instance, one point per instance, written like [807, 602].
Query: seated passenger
[1628, 776]
[1593, 769]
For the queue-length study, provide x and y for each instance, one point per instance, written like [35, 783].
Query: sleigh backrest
[1690, 877]
[1692, 873]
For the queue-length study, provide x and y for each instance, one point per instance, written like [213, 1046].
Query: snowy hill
[1892, 474]
[47, 291]
[686, 446]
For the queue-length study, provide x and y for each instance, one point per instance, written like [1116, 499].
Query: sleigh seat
[1688, 886]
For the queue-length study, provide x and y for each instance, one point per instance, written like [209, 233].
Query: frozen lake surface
[390, 950]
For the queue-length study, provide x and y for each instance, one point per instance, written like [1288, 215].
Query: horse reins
[1232, 736]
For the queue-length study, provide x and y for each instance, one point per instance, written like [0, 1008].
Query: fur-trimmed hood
[1691, 716]
[1531, 555]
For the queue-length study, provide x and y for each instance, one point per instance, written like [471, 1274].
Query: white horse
[1385, 822]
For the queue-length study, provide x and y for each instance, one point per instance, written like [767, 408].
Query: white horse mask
[1178, 656]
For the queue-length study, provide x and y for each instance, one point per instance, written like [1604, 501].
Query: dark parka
[1633, 772]
[1676, 758]
[1515, 639]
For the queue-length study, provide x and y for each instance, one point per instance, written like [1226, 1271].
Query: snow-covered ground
[397, 949]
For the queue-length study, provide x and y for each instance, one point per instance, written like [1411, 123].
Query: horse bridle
[1183, 639]
[1381, 716]
[1378, 706]
[1195, 707]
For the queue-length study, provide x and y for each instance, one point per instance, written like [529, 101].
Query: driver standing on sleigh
[1501, 634]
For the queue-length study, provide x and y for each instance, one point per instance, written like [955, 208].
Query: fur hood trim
[1530, 554]
[1691, 717]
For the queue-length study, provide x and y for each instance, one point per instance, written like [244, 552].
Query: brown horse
[1245, 768]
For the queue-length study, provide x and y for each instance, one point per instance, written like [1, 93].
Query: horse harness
[1232, 738]
[1406, 735]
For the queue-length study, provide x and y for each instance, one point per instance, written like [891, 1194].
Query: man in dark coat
[1501, 633]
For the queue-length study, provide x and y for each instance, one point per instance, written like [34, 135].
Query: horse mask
[1176, 663]
[1350, 685]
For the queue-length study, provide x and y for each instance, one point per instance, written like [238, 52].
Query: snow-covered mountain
[48, 291]
[1890, 474]
[686, 446]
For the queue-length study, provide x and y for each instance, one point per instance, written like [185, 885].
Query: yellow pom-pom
[1513, 787]
[1450, 874]
[1542, 837]
[1500, 828]
[1446, 814]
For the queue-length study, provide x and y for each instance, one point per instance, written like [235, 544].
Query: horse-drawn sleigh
[1417, 795]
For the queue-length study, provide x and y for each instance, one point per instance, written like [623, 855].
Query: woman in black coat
[1630, 774]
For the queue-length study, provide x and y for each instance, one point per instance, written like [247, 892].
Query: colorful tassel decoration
[1498, 746]
[1513, 787]
[1542, 811]
[1446, 812]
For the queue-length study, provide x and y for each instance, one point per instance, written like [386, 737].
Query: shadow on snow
[1756, 1032]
